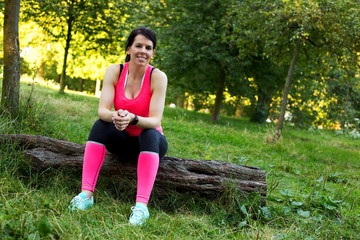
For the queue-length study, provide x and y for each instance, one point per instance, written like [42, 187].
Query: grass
[312, 176]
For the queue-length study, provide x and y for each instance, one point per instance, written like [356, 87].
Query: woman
[137, 92]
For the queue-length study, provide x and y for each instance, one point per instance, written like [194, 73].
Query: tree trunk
[70, 21]
[11, 83]
[97, 87]
[280, 123]
[215, 117]
[81, 84]
[180, 100]
[41, 71]
[208, 178]
[262, 107]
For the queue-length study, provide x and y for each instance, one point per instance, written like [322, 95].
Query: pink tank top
[139, 105]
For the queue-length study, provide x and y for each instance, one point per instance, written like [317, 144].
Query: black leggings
[124, 146]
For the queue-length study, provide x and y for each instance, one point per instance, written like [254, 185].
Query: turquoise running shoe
[81, 202]
[139, 215]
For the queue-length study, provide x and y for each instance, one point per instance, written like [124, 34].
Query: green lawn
[312, 176]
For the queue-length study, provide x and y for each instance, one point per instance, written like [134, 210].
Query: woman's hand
[121, 119]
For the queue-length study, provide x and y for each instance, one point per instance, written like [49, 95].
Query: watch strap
[135, 120]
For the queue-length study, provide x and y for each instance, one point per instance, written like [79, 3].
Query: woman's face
[141, 51]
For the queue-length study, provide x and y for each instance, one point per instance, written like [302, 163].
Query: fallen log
[199, 176]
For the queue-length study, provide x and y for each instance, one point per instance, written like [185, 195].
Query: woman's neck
[136, 71]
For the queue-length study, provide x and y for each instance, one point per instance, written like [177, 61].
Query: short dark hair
[146, 32]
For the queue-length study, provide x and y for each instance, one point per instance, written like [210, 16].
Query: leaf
[318, 218]
[320, 179]
[242, 224]
[243, 209]
[302, 213]
[329, 207]
[286, 209]
[33, 236]
[44, 226]
[296, 204]
[280, 236]
[286, 192]
[266, 212]
[334, 201]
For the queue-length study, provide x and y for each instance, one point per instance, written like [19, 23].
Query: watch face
[136, 119]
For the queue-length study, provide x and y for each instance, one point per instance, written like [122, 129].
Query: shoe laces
[78, 200]
[138, 213]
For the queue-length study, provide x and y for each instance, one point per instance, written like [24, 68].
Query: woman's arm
[157, 103]
[108, 93]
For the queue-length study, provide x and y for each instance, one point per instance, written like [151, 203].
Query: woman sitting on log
[137, 92]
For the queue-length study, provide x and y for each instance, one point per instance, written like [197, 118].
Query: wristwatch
[135, 120]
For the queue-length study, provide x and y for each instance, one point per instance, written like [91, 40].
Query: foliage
[264, 81]
[252, 40]
[38, 51]
[266, 31]
[96, 21]
[346, 90]
[192, 38]
[94, 24]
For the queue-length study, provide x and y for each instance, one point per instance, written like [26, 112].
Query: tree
[332, 63]
[194, 54]
[345, 88]
[284, 28]
[344, 71]
[267, 30]
[11, 82]
[97, 21]
[280, 123]
[262, 79]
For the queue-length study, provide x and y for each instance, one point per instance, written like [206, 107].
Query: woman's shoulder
[112, 73]
[115, 68]
[158, 74]
[158, 79]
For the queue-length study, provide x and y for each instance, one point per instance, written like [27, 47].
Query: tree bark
[97, 87]
[280, 123]
[81, 84]
[11, 82]
[262, 107]
[70, 22]
[41, 71]
[180, 100]
[208, 178]
[215, 117]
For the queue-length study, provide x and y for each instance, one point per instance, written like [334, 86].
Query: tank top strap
[122, 76]
[147, 77]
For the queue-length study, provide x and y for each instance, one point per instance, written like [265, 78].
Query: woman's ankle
[144, 205]
[89, 194]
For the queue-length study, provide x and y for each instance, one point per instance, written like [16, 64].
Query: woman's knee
[153, 141]
[149, 135]
[149, 140]
[100, 132]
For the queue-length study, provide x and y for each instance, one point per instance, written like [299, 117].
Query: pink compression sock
[147, 168]
[93, 159]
